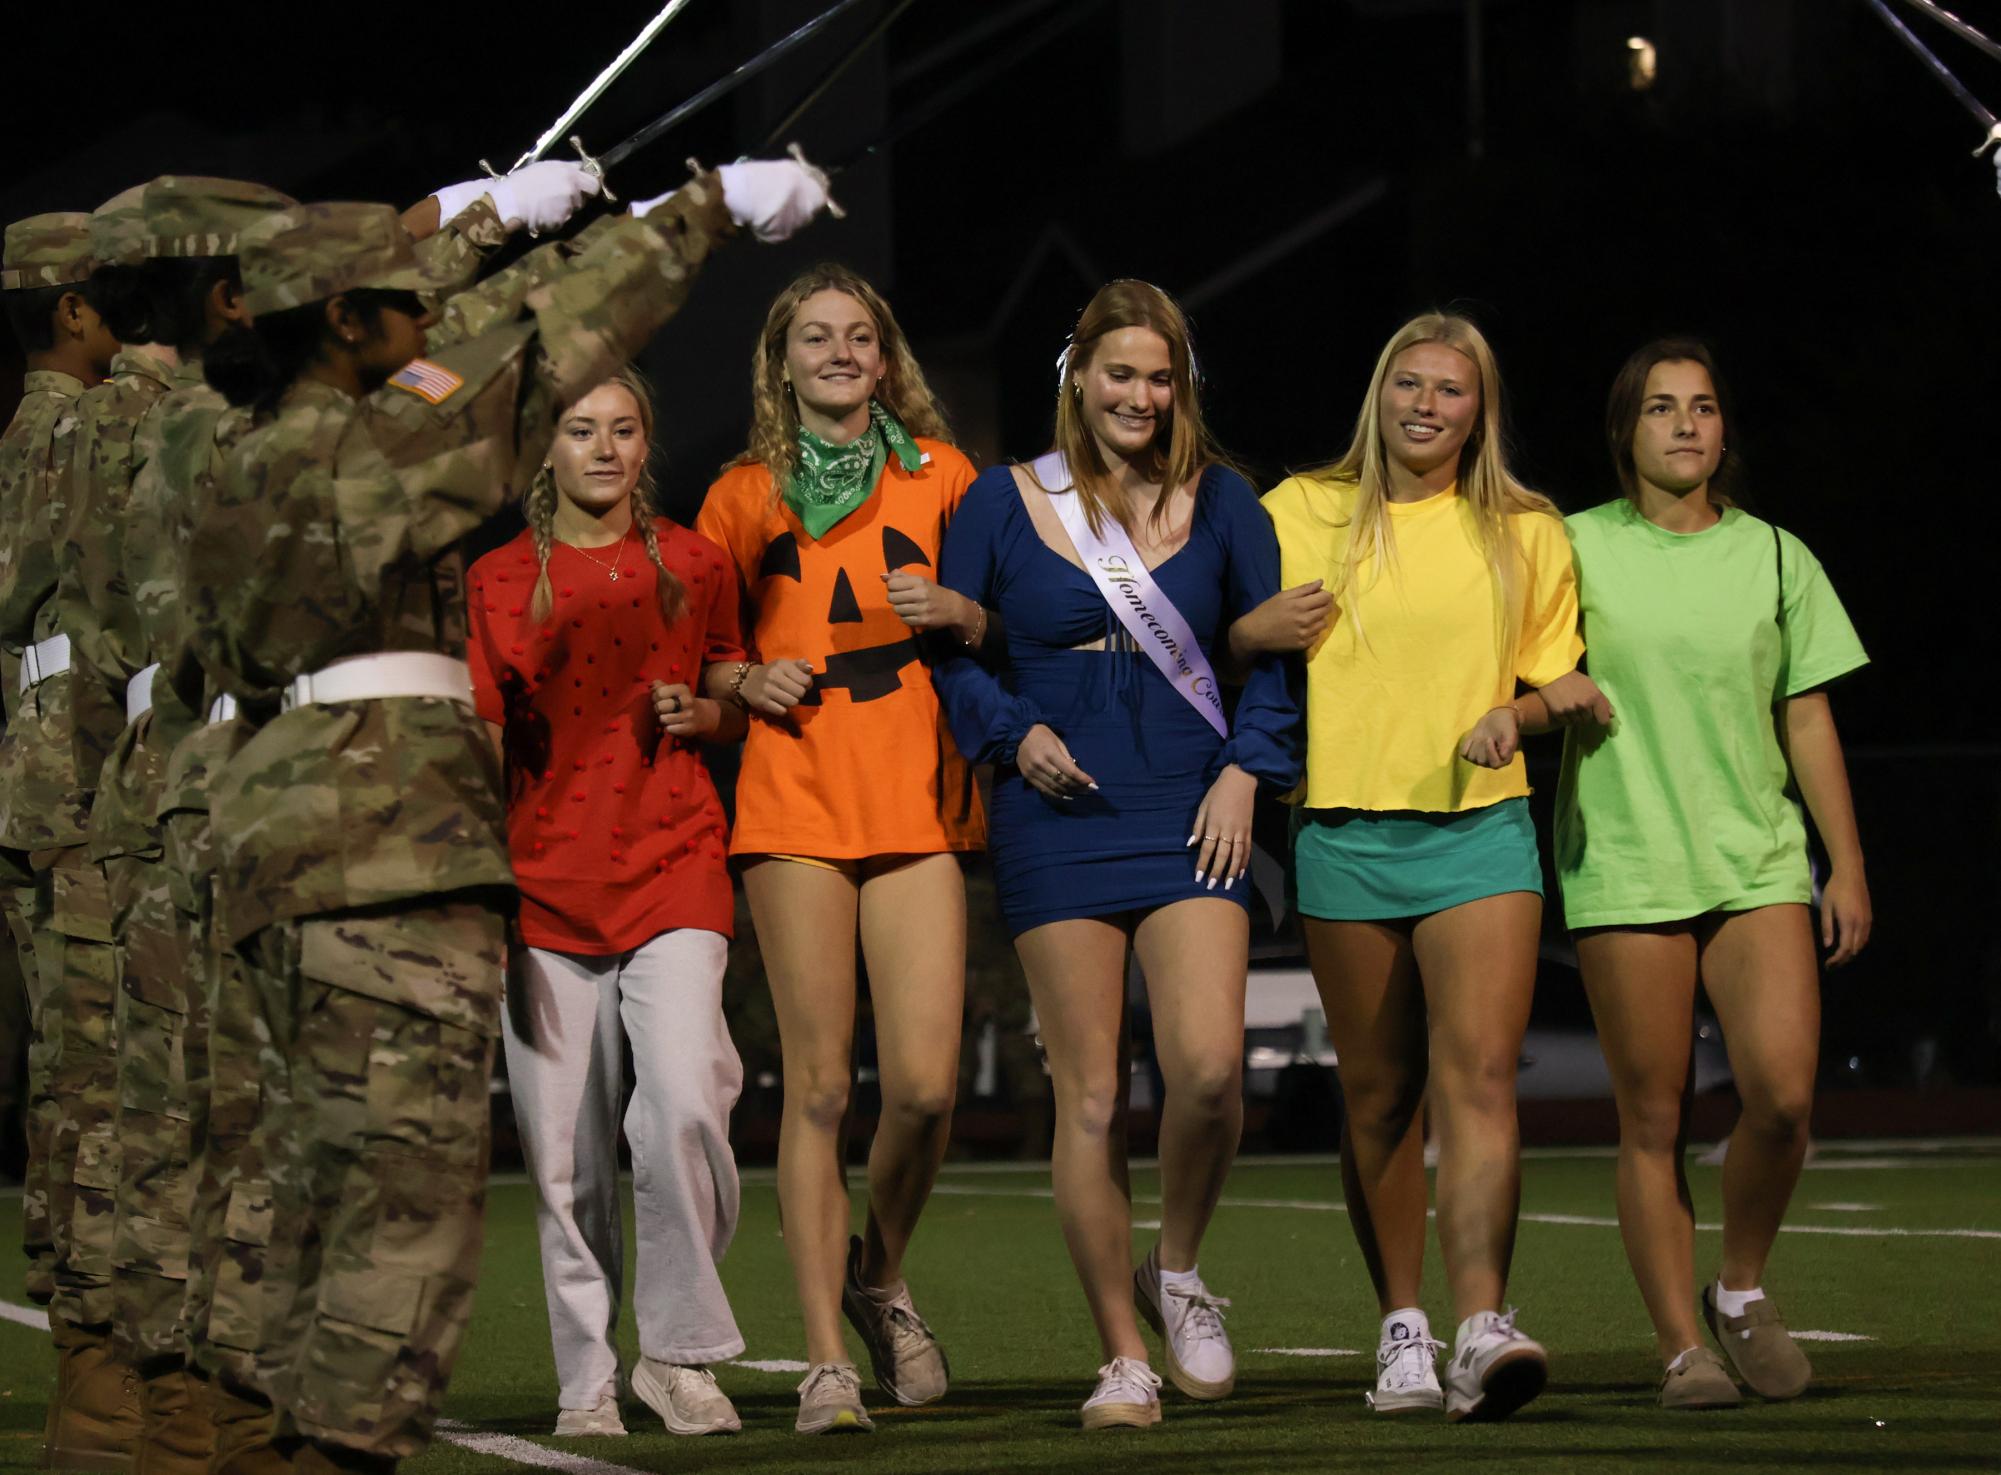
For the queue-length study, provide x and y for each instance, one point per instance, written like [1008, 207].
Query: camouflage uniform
[364, 867]
[40, 815]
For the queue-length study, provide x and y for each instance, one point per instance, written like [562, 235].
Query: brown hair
[1486, 484]
[1188, 446]
[539, 507]
[774, 414]
[1622, 412]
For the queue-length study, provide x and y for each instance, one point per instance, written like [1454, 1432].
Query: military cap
[46, 251]
[314, 252]
[187, 215]
[118, 229]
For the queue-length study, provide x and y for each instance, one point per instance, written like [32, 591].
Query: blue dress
[1124, 846]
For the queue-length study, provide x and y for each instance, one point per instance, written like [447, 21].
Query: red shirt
[615, 828]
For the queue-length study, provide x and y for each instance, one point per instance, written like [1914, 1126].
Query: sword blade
[727, 84]
[1938, 68]
[1957, 26]
[604, 79]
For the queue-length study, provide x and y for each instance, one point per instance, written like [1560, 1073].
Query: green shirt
[1684, 806]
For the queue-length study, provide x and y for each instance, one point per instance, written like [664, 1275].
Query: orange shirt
[864, 766]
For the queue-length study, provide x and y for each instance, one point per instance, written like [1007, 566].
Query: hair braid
[673, 596]
[539, 507]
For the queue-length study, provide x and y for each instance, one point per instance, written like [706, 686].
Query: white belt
[405, 673]
[139, 694]
[43, 659]
[222, 709]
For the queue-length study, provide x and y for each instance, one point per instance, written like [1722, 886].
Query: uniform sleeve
[1549, 645]
[458, 249]
[1265, 729]
[487, 697]
[473, 310]
[94, 601]
[443, 446]
[1818, 643]
[987, 720]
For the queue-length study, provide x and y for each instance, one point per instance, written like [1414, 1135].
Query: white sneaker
[830, 1400]
[1194, 1344]
[686, 1398]
[909, 1364]
[1494, 1368]
[1406, 1369]
[585, 1423]
[1128, 1396]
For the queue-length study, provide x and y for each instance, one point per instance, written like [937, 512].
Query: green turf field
[1922, 1392]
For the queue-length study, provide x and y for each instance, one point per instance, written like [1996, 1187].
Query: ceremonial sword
[1944, 73]
[1957, 26]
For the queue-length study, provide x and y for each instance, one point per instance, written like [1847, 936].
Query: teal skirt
[1357, 865]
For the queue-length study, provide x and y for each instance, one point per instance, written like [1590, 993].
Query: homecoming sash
[1155, 625]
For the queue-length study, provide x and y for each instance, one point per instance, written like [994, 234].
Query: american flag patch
[428, 381]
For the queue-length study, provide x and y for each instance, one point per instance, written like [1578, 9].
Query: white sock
[1401, 1326]
[1681, 1359]
[1179, 1277]
[1732, 1303]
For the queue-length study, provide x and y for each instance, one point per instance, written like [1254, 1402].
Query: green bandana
[831, 481]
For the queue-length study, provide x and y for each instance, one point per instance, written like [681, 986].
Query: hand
[682, 713]
[1048, 766]
[1223, 825]
[776, 687]
[1291, 619]
[923, 605]
[543, 195]
[1845, 916]
[773, 197]
[1494, 739]
[1574, 699]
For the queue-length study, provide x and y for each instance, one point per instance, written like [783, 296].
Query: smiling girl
[1419, 882]
[1682, 853]
[588, 633]
[1122, 802]
[853, 804]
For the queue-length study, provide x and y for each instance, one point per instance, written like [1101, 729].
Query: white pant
[565, 1067]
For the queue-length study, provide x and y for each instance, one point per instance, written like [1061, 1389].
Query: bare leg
[1367, 976]
[1077, 977]
[1195, 954]
[913, 925]
[806, 918]
[1641, 981]
[1477, 961]
[1759, 970]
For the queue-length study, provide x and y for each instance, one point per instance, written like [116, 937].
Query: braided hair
[539, 508]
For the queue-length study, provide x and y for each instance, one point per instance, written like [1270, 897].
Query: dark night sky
[1796, 188]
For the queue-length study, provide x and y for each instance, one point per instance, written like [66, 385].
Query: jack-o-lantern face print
[866, 673]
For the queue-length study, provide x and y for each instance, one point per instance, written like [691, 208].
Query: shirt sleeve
[987, 720]
[723, 522]
[722, 622]
[487, 698]
[1265, 729]
[1549, 645]
[1818, 642]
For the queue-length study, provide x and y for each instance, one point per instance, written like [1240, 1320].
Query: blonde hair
[1486, 485]
[1176, 457]
[774, 413]
[539, 507]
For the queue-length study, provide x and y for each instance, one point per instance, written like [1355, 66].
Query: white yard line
[772, 1365]
[28, 1316]
[1831, 1337]
[526, 1452]
[1309, 1351]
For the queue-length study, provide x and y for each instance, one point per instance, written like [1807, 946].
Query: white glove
[774, 197]
[454, 198]
[540, 196]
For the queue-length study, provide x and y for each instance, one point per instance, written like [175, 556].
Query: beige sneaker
[909, 1364]
[1759, 1347]
[686, 1398]
[1189, 1320]
[591, 1423]
[1127, 1396]
[1698, 1379]
[830, 1400]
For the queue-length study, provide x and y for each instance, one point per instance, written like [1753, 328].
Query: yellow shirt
[1387, 708]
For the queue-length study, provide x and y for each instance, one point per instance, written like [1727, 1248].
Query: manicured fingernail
[1229, 883]
[1198, 875]
[1212, 883]
[1094, 786]
[1191, 841]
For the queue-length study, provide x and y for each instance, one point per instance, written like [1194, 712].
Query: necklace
[611, 567]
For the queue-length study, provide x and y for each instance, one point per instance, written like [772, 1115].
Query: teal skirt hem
[1363, 865]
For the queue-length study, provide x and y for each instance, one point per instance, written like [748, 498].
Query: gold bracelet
[979, 630]
[737, 679]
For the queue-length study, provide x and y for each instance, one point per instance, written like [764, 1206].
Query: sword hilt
[592, 167]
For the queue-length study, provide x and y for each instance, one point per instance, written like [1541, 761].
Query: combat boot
[95, 1424]
[244, 1425]
[179, 1437]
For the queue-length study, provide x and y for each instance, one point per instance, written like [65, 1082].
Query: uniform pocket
[445, 962]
